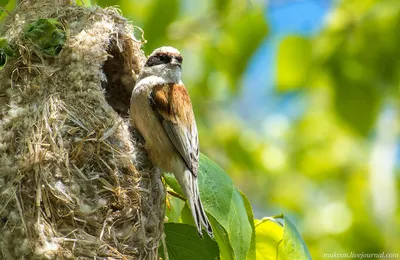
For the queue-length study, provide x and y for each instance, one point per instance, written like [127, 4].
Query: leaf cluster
[237, 234]
[47, 34]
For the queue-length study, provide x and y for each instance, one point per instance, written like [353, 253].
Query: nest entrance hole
[121, 69]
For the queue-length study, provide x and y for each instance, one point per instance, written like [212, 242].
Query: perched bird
[162, 112]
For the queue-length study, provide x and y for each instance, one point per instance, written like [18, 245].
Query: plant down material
[75, 182]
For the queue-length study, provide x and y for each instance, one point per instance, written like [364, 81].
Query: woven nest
[75, 182]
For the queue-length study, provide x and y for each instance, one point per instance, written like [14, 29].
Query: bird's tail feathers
[191, 191]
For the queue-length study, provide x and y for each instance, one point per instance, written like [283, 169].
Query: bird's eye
[165, 58]
[179, 59]
[158, 59]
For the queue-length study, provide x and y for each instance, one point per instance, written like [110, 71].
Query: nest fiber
[75, 182]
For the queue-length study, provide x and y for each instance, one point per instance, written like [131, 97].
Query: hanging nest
[75, 182]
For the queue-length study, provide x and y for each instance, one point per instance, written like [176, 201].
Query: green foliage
[358, 104]
[47, 34]
[222, 238]
[269, 235]
[294, 245]
[239, 41]
[351, 85]
[359, 72]
[231, 216]
[202, 30]
[293, 64]
[174, 208]
[279, 243]
[184, 243]
[165, 11]
[6, 7]
[186, 215]
[224, 202]
[6, 47]
[252, 251]
[6, 50]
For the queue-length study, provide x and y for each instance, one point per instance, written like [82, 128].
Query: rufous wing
[172, 104]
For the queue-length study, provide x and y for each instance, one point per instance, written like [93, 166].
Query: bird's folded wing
[172, 104]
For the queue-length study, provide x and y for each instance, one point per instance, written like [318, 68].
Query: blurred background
[298, 100]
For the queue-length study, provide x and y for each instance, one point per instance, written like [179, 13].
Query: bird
[161, 110]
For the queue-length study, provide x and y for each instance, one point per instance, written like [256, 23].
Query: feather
[172, 104]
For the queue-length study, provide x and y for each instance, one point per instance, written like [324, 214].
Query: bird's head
[165, 62]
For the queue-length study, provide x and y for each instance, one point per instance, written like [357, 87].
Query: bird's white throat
[169, 73]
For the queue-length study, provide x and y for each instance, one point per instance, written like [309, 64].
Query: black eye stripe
[152, 61]
[162, 58]
[158, 59]
[165, 58]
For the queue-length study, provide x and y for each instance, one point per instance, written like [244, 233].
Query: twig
[176, 195]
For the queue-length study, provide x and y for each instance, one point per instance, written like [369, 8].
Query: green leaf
[225, 248]
[293, 64]
[183, 243]
[269, 236]
[174, 212]
[47, 34]
[222, 238]
[186, 216]
[7, 6]
[252, 251]
[7, 48]
[294, 245]
[173, 183]
[223, 201]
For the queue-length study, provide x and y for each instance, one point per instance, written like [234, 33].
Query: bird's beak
[175, 62]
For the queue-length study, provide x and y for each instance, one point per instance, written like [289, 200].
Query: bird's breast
[158, 145]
